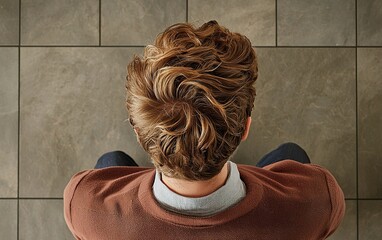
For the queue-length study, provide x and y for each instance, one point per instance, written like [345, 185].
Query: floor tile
[43, 219]
[72, 111]
[8, 121]
[255, 19]
[59, 22]
[370, 219]
[370, 122]
[369, 18]
[348, 228]
[137, 22]
[8, 220]
[9, 22]
[316, 23]
[309, 98]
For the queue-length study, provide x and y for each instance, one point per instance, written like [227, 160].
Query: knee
[291, 145]
[295, 152]
[110, 157]
[113, 154]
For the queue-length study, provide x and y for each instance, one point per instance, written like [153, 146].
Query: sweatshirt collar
[226, 196]
[254, 193]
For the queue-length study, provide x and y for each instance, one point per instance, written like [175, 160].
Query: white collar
[226, 196]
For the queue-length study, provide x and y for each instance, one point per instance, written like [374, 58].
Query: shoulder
[290, 174]
[285, 169]
[307, 188]
[94, 182]
[102, 188]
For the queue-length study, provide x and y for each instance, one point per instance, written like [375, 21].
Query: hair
[189, 98]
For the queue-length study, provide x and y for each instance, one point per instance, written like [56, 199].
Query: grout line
[84, 46]
[123, 46]
[356, 140]
[48, 46]
[36, 198]
[276, 23]
[99, 23]
[31, 198]
[18, 128]
[337, 47]
[356, 23]
[285, 46]
[186, 10]
[356, 116]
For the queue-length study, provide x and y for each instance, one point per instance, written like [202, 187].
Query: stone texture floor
[62, 73]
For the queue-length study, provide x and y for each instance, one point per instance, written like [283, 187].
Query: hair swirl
[189, 97]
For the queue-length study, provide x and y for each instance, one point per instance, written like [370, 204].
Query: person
[189, 100]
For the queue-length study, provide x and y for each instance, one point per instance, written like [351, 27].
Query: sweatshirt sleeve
[337, 200]
[68, 196]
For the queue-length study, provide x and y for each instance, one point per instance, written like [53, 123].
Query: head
[190, 96]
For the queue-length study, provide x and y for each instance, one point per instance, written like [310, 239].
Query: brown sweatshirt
[285, 200]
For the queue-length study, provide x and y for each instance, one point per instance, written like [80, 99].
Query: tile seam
[18, 129]
[276, 43]
[356, 113]
[187, 11]
[84, 46]
[99, 23]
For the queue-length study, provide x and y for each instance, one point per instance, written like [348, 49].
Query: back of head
[189, 98]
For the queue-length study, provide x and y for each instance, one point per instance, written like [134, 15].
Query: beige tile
[369, 18]
[370, 219]
[255, 19]
[8, 220]
[316, 23]
[137, 22]
[348, 228]
[9, 22]
[43, 219]
[369, 122]
[306, 96]
[59, 22]
[72, 111]
[8, 121]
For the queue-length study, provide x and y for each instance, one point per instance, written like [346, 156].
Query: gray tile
[253, 18]
[72, 111]
[59, 22]
[8, 220]
[348, 228]
[9, 22]
[137, 22]
[306, 96]
[370, 219]
[8, 121]
[369, 18]
[43, 219]
[316, 23]
[369, 122]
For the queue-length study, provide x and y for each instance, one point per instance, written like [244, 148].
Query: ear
[246, 131]
[136, 134]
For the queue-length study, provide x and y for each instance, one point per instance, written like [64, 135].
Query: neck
[197, 188]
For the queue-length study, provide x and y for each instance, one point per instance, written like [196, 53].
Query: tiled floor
[62, 70]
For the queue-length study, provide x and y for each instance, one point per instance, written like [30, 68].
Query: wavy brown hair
[189, 98]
